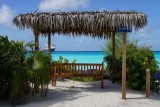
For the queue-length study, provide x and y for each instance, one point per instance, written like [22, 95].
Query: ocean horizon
[86, 56]
[80, 56]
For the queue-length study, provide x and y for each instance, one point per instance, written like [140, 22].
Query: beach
[92, 39]
[69, 93]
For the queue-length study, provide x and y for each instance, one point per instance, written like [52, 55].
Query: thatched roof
[96, 23]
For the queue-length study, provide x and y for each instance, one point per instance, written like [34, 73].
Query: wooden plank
[89, 68]
[52, 74]
[148, 83]
[64, 75]
[78, 71]
[97, 73]
[86, 63]
[102, 82]
[84, 72]
[113, 56]
[65, 70]
[72, 69]
[99, 70]
[124, 67]
[81, 70]
[85, 69]
[58, 69]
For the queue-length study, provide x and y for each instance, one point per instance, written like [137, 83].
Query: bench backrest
[77, 69]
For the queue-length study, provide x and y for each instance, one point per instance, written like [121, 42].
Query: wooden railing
[70, 70]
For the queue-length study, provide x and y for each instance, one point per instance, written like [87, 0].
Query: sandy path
[78, 94]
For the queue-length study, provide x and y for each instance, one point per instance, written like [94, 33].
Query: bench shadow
[136, 98]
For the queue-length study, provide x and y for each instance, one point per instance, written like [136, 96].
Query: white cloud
[62, 5]
[6, 15]
[148, 36]
[101, 9]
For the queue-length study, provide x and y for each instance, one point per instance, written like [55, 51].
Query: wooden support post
[148, 83]
[113, 56]
[124, 67]
[159, 86]
[49, 55]
[36, 35]
[102, 82]
[49, 46]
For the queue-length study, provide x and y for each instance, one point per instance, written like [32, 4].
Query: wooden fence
[69, 70]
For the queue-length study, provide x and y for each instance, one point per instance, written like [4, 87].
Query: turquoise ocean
[87, 56]
[80, 56]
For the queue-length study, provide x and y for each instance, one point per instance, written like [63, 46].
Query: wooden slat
[97, 73]
[57, 69]
[81, 70]
[87, 70]
[60, 67]
[102, 82]
[78, 71]
[92, 69]
[72, 69]
[67, 69]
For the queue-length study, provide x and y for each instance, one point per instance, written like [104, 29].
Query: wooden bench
[69, 70]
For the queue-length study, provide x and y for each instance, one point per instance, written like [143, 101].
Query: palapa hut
[101, 24]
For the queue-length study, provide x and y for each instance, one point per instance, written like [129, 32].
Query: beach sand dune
[70, 93]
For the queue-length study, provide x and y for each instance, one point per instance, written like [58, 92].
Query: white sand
[79, 94]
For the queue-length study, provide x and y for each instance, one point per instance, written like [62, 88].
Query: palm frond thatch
[94, 23]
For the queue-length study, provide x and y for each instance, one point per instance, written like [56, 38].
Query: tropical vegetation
[139, 58]
[20, 76]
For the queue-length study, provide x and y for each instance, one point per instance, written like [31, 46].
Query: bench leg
[53, 81]
[102, 83]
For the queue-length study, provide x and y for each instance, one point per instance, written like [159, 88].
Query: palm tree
[39, 70]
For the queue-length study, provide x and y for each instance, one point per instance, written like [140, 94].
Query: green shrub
[63, 60]
[66, 68]
[17, 73]
[38, 66]
[14, 84]
[82, 79]
[138, 59]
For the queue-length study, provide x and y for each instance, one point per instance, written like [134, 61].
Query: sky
[150, 35]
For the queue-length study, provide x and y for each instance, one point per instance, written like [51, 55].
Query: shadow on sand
[62, 93]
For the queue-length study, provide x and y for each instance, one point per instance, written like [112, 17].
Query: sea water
[86, 56]
[157, 56]
[80, 56]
